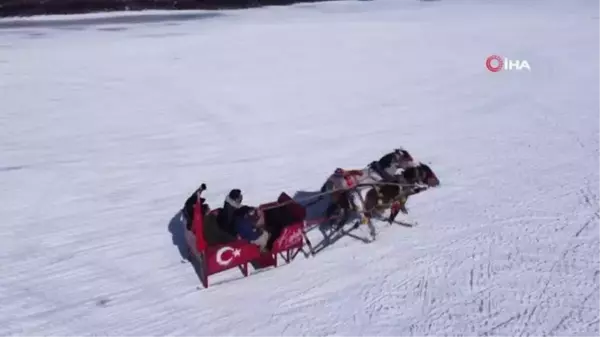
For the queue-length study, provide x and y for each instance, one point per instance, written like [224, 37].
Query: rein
[319, 196]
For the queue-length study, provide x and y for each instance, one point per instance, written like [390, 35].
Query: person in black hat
[188, 207]
[226, 216]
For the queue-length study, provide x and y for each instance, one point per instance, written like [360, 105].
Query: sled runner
[284, 219]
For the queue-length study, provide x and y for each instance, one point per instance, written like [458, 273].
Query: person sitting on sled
[188, 208]
[249, 225]
[227, 214]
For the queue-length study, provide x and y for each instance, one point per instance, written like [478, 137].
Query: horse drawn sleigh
[285, 220]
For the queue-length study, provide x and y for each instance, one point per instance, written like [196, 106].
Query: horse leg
[337, 205]
[364, 210]
[394, 213]
[343, 219]
[345, 204]
[381, 198]
[402, 198]
[353, 203]
[398, 205]
[334, 201]
[371, 202]
[331, 209]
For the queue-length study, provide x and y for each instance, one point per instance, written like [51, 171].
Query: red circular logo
[494, 68]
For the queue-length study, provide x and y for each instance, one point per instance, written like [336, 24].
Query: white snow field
[107, 126]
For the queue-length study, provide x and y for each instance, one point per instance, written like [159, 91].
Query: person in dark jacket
[246, 226]
[226, 215]
[188, 207]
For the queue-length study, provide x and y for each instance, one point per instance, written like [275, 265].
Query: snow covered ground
[106, 127]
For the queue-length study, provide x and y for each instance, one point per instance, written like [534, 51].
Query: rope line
[318, 196]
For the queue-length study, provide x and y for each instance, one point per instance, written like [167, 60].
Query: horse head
[421, 174]
[429, 177]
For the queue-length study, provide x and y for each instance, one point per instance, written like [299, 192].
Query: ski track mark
[572, 312]
[596, 216]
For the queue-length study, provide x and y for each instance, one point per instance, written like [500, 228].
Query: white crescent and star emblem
[222, 250]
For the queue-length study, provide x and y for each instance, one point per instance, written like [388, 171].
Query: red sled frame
[240, 253]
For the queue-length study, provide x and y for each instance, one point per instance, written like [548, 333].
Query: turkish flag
[198, 227]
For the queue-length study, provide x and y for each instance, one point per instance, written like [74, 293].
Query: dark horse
[411, 181]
